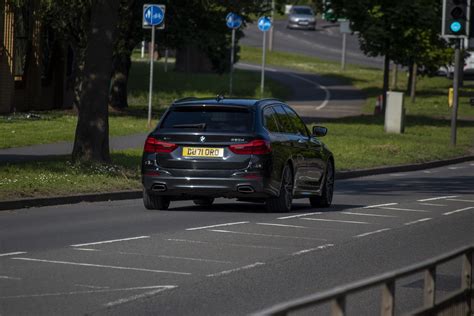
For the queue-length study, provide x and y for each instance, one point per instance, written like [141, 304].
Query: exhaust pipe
[158, 187]
[245, 189]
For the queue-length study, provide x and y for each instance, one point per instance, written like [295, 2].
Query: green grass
[55, 126]
[171, 85]
[59, 176]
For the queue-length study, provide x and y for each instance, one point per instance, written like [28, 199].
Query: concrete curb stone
[136, 194]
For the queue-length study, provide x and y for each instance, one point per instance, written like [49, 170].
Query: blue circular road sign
[154, 15]
[455, 27]
[264, 23]
[233, 20]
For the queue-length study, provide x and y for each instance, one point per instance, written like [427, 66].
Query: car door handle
[301, 141]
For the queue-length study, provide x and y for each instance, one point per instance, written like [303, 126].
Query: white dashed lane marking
[404, 209]
[263, 235]
[380, 205]
[250, 266]
[300, 215]
[367, 214]
[157, 290]
[226, 244]
[432, 204]
[6, 277]
[312, 249]
[437, 198]
[218, 225]
[458, 211]
[418, 221]
[12, 253]
[109, 241]
[371, 233]
[281, 225]
[334, 220]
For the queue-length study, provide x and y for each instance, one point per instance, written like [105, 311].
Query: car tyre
[282, 203]
[325, 199]
[204, 201]
[155, 202]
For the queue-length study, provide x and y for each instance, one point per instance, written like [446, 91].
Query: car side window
[270, 120]
[285, 121]
[296, 121]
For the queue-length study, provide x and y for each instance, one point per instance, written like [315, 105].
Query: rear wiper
[200, 126]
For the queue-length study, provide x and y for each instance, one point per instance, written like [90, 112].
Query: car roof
[224, 101]
[301, 7]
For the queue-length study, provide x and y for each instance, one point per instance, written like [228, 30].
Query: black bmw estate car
[252, 150]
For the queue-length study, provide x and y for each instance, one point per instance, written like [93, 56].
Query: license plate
[303, 22]
[203, 152]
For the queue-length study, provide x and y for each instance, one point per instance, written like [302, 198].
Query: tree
[404, 31]
[92, 131]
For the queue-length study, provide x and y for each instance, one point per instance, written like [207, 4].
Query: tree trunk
[394, 77]
[118, 91]
[92, 131]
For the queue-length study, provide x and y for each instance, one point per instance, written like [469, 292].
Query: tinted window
[211, 118]
[285, 121]
[270, 120]
[296, 121]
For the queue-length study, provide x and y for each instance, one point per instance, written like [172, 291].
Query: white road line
[460, 210]
[398, 174]
[418, 221]
[367, 214]
[6, 277]
[172, 257]
[461, 200]
[227, 244]
[138, 296]
[334, 220]
[281, 225]
[437, 198]
[218, 225]
[250, 266]
[109, 241]
[12, 253]
[320, 86]
[100, 266]
[92, 286]
[263, 235]
[455, 168]
[432, 204]
[404, 209]
[380, 205]
[312, 249]
[86, 249]
[88, 292]
[374, 232]
[300, 215]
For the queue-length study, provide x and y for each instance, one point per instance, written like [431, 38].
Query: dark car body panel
[245, 176]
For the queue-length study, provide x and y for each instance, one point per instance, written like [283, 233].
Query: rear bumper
[189, 187]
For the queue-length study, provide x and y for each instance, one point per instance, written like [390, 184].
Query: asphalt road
[324, 43]
[233, 258]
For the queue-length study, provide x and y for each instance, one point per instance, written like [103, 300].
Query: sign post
[264, 24]
[344, 28]
[233, 21]
[153, 17]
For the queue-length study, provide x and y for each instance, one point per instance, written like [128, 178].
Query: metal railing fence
[458, 303]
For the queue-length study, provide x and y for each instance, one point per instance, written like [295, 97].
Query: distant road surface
[324, 43]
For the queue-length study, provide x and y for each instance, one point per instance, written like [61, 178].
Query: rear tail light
[153, 145]
[255, 147]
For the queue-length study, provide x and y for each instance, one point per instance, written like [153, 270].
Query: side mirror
[319, 131]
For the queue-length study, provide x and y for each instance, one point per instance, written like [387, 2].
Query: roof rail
[269, 99]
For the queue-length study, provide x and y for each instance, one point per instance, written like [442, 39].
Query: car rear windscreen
[210, 118]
